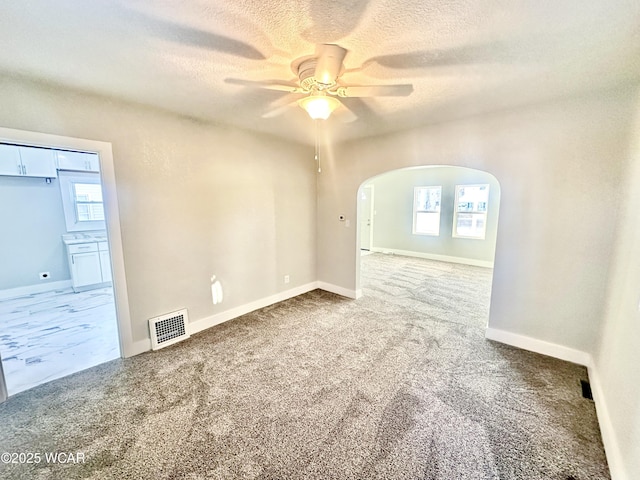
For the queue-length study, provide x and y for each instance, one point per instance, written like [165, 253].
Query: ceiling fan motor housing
[319, 85]
[306, 69]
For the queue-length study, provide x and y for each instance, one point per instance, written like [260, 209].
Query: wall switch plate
[286, 279]
[347, 223]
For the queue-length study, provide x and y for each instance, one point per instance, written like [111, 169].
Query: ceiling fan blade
[186, 35]
[421, 59]
[376, 91]
[490, 52]
[279, 85]
[329, 64]
[282, 105]
[345, 114]
[358, 106]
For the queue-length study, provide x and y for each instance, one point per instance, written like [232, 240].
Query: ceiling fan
[319, 85]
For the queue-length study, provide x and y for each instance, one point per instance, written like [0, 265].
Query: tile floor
[48, 335]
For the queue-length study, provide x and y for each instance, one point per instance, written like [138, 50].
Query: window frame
[456, 212]
[416, 211]
[67, 181]
[88, 204]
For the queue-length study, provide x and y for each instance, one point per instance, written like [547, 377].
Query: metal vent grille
[168, 329]
[586, 389]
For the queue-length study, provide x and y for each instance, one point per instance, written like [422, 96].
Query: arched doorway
[429, 230]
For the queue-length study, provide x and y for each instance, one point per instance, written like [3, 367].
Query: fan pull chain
[317, 151]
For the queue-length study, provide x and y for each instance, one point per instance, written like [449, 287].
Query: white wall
[195, 199]
[567, 264]
[559, 166]
[617, 358]
[393, 219]
[32, 225]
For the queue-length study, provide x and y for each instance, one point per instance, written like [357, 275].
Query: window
[426, 210]
[82, 200]
[88, 201]
[470, 214]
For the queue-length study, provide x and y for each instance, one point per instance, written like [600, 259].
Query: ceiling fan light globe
[319, 107]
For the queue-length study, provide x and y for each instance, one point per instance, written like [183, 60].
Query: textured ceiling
[463, 57]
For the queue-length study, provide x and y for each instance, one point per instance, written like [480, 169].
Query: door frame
[112, 216]
[3, 384]
[370, 187]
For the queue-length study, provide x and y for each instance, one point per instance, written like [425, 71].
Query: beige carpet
[400, 384]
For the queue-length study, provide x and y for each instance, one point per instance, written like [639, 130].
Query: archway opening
[426, 236]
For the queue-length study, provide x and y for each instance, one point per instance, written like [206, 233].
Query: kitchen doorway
[51, 323]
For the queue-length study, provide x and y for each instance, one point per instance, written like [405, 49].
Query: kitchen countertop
[88, 237]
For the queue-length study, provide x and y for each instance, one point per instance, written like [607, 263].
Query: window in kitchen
[82, 201]
[88, 201]
[470, 213]
[426, 210]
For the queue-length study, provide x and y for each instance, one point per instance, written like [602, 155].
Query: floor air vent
[169, 329]
[586, 389]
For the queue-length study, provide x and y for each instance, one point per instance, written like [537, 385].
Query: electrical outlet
[286, 279]
[45, 275]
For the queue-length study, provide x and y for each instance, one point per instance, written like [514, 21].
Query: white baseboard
[142, 346]
[218, 318]
[433, 256]
[345, 292]
[611, 447]
[521, 341]
[137, 348]
[539, 346]
[32, 289]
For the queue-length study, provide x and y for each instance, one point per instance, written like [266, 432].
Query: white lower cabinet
[90, 264]
[85, 269]
[105, 261]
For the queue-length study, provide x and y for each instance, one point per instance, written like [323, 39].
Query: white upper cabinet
[10, 163]
[83, 162]
[27, 161]
[38, 162]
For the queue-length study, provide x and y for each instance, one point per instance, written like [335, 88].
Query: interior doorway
[365, 216]
[82, 324]
[444, 214]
